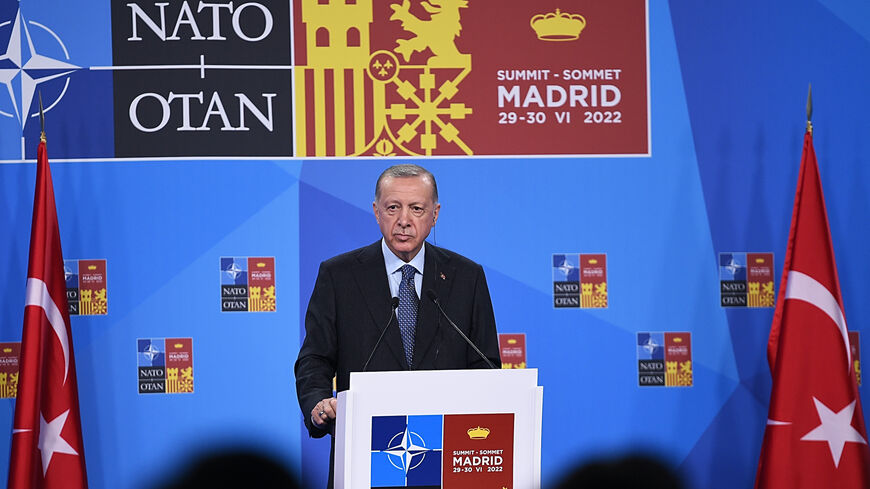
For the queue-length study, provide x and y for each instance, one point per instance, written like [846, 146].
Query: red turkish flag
[815, 435]
[47, 450]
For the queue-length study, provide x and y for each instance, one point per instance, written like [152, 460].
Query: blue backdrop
[728, 85]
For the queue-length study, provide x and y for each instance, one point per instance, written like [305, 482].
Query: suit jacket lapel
[438, 276]
[371, 278]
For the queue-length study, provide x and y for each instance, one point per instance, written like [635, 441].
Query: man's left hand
[324, 411]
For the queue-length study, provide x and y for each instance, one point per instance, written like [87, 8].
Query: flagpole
[41, 119]
[810, 110]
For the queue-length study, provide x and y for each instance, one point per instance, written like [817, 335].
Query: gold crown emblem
[478, 433]
[92, 267]
[593, 261]
[759, 260]
[7, 350]
[261, 265]
[179, 345]
[512, 341]
[678, 340]
[558, 26]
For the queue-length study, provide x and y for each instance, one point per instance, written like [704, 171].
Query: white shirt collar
[393, 262]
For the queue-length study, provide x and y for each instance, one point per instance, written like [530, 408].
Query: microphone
[394, 304]
[434, 298]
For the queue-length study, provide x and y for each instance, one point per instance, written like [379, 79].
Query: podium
[454, 429]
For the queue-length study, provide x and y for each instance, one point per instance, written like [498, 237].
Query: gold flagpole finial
[810, 110]
[41, 119]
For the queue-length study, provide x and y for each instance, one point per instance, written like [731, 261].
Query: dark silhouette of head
[626, 472]
[234, 469]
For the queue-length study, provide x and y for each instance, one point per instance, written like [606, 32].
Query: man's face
[406, 213]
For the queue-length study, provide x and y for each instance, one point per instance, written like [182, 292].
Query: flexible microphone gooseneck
[434, 298]
[394, 304]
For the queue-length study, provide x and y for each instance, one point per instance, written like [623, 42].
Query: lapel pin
[443, 277]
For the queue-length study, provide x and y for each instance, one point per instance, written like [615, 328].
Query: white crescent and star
[50, 441]
[802, 287]
[37, 295]
[836, 427]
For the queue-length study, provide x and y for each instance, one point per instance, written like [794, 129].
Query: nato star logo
[24, 66]
[404, 448]
[234, 271]
[733, 266]
[151, 351]
[406, 451]
[566, 268]
[650, 345]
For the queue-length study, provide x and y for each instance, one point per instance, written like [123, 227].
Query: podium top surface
[405, 380]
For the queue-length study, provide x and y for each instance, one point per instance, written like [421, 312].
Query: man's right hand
[324, 411]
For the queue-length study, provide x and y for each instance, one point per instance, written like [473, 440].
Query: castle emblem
[393, 98]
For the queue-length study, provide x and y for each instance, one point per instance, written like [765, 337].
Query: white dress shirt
[394, 266]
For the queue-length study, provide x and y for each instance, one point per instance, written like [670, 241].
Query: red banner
[401, 77]
[478, 451]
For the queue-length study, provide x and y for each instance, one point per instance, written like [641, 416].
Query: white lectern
[449, 428]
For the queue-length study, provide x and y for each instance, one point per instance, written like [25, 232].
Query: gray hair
[404, 171]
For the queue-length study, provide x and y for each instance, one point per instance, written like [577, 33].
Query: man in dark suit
[351, 302]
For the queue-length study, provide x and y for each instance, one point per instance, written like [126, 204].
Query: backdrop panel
[614, 261]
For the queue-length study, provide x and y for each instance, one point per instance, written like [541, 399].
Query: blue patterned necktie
[408, 303]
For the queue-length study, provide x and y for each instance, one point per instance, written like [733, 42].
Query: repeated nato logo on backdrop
[9, 353]
[512, 350]
[165, 365]
[746, 279]
[86, 287]
[248, 284]
[580, 280]
[664, 359]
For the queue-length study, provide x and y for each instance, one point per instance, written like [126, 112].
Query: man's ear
[375, 210]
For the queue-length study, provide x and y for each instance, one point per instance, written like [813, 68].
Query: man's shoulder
[359, 255]
[445, 256]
